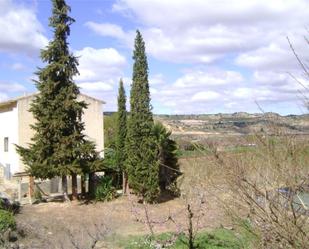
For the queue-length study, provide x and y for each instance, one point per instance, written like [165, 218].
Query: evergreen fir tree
[58, 147]
[121, 135]
[142, 163]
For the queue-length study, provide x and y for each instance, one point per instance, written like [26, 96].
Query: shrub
[3, 203]
[38, 195]
[6, 221]
[105, 190]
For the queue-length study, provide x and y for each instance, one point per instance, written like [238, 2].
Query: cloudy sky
[205, 56]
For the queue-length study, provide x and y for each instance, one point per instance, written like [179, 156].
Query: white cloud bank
[203, 31]
[100, 71]
[99, 64]
[248, 36]
[20, 29]
[227, 91]
[10, 88]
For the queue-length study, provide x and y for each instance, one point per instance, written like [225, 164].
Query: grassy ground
[216, 239]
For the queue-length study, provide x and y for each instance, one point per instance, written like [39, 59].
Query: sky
[204, 56]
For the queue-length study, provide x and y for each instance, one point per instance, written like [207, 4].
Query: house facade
[15, 129]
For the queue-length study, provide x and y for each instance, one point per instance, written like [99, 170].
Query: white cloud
[3, 96]
[281, 82]
[157, 79]
[153, 90]
[107, 29]
[95, 86]
[100, 64]
[247, 36]
[201, 11]
[201, 78]
[193, 92]
[253, 94]
[18, 66]
[205, 96]
[100, 71]
[270, 77]
[20, 29]
[7, 87]
[276, 56]
[204, 31]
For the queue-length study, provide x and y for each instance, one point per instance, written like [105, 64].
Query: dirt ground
[99, 225]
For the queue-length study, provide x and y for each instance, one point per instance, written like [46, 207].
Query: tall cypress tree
[142, 163]
[58, 147]
[121, 132]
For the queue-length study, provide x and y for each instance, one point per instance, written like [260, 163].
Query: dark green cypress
[121, 133]
[58, 147]
[142, 163]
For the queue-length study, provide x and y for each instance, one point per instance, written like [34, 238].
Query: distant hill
[235, 123]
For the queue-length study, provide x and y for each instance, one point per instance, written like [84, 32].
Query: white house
[15, 121]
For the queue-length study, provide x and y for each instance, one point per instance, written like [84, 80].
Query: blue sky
[204, 56]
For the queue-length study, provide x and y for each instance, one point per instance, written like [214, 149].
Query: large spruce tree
[142, 163]
[58, 147]
[121, 134]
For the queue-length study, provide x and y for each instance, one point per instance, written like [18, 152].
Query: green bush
[105, 190]
[6, 220]
[2, 205]
[38, 195]
[5, 204]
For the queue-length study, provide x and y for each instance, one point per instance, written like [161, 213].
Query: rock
[100, 245]
[13, 236]
[21, 232]
[14, 246]
[6, 235]
[21, 246]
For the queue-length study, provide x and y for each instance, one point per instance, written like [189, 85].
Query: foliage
[169, 167]
[110, 163]
[121, 131]
[4, 203]
[38, 195]
[6, 221]
[104, 189]
[142, 151]
[121, 126]
[110, 124]
[111, 168]
[59, 146]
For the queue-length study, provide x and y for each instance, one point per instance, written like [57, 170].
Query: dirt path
[60, 225]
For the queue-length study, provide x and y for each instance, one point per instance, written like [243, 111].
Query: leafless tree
[266, 189]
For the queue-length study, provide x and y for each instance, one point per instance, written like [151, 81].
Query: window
[6, 144]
